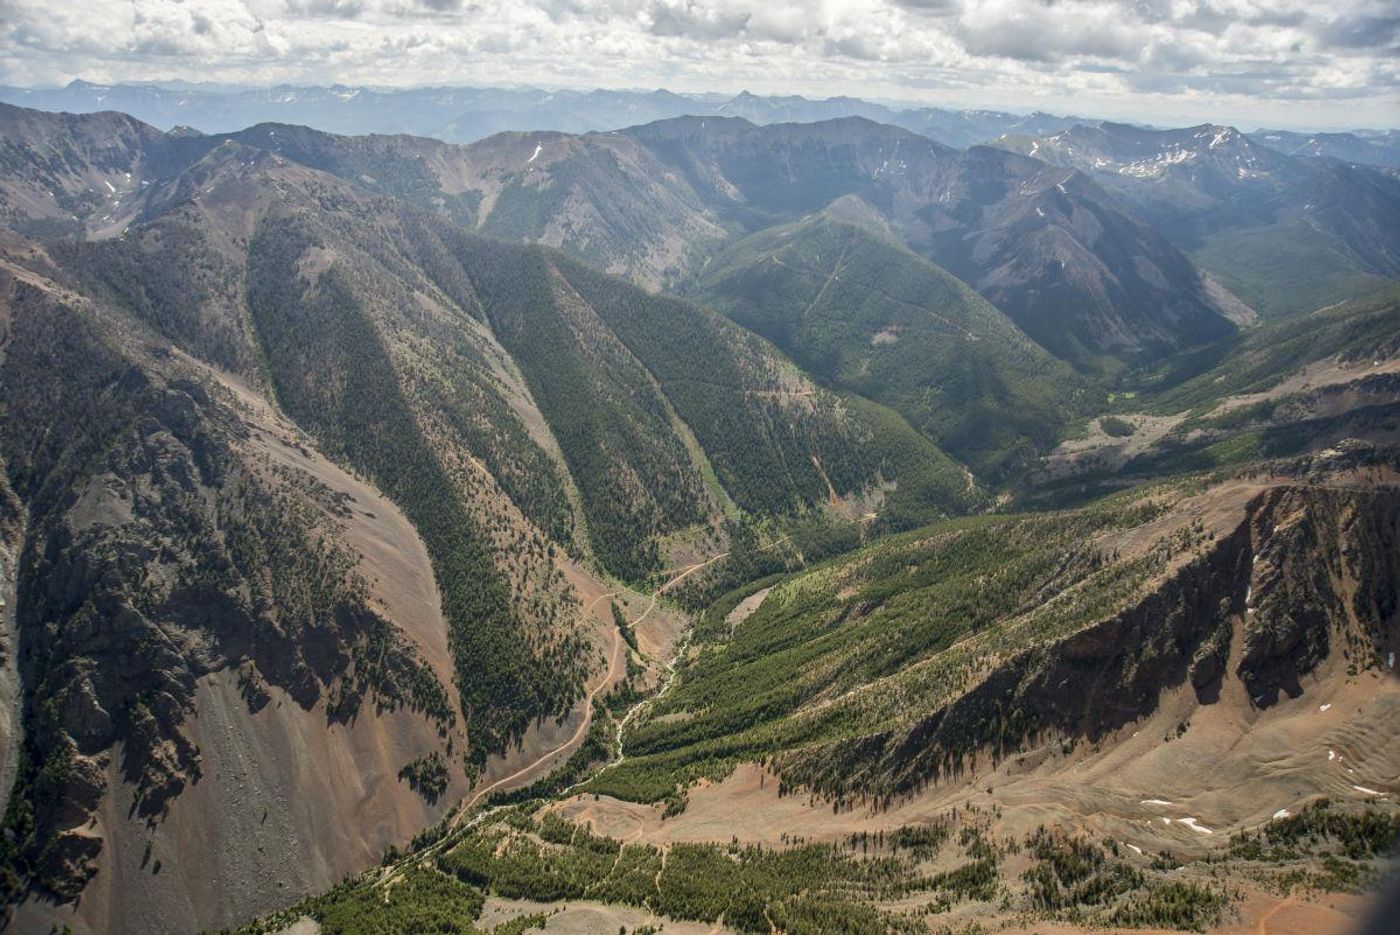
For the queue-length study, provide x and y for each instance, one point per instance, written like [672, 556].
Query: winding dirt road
[583, 726]
[464, 817]
[618, 654]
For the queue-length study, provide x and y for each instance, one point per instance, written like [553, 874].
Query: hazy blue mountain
[1369, 147]
[466, 114]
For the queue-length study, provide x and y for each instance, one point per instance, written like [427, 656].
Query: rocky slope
[1305, 383]
[317, 492]
[167, 551]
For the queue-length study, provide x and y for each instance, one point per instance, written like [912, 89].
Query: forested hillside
[537, 423]
[1075, 268]
[884, 672]
[901, 737]
[159, 549]
[867, 314]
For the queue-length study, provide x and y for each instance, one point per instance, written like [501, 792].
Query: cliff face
[1324, 581]
[1308, 574]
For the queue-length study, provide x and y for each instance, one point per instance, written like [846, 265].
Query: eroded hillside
[1170, 710]
[313, 489]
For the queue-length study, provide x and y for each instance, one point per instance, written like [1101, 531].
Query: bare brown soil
[745, 608]
[1260, 913]
[1181, 780]
[287, 804]
[394, 560]
[1232, 769]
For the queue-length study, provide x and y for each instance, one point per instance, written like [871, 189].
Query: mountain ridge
[349, 462]
[1218, 194]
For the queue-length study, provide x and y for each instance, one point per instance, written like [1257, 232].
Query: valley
[768, 517]
[1127, 786]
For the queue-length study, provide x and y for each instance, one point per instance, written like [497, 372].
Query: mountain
[457, 114]
[601, 197]
[1082, 276]
[1282, 232]
[1069, 265]
[854, 307]
[1314, 381]
[464, 115]
[962, 129]
[209, 613]
[950, 658]
[1049, 248]
[303, 470]
[1370, 149]
[1084, 718]
[75, 175]
[372, 558]
[795, 109]
[959, 129]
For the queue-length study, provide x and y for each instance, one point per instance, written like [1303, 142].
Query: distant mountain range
[467, 114]
[1369, 147]
[464, 115]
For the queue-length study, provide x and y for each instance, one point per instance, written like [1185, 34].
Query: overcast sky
[1299, 63]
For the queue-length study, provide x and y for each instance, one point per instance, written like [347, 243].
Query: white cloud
[1215, 59]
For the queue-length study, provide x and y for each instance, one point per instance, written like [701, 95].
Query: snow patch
[1151, 168]
[1135, 849]
[1195, 825]
[536, 154]
[1368, 791]
[1281, 813]
[1323, 707]
[1155, 802]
